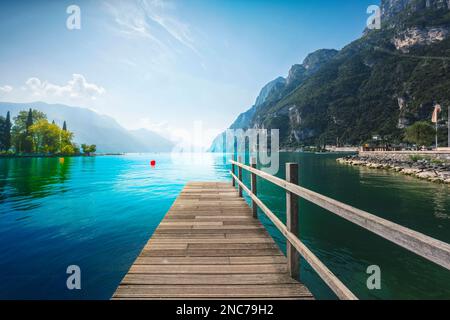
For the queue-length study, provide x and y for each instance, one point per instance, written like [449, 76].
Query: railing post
[233, 169]
[240, 176]
[293, 256]
[254, 190]
[448, 124]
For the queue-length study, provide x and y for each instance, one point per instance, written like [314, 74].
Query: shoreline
[416, 165]
[14, 156]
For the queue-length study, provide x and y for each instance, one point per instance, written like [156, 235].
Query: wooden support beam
[254, 189]
[240, 176]
[293, 256]
[233, 169]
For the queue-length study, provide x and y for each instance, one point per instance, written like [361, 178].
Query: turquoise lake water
[99, 212]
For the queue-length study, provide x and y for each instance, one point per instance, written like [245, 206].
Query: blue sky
[164, 65]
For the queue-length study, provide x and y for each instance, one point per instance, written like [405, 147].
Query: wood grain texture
[209, 246]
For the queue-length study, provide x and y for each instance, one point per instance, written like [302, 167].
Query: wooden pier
[209, 246]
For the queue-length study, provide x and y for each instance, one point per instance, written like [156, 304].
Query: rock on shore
[421, 167]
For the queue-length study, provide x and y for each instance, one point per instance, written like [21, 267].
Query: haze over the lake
[164, 65]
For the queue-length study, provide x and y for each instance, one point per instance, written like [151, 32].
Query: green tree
[7, 132]
[29, 121]
[89, 149]
[84, 147]
[2, 133]
[45, 137]
[68, 149]
[19, 135]
[51, 139]
[420, 133]
[67, 146]
[28, 142]
[64, 126]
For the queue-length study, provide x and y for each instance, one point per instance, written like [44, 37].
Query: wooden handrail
[432, 249]
[327, 276]
[429, 248]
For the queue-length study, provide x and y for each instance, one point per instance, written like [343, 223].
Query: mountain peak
[296, 71]
[315, 60]
[265, 91]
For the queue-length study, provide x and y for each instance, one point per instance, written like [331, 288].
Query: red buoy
[153, 163]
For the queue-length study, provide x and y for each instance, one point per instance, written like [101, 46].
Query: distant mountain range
[92, 128]
[377, 85]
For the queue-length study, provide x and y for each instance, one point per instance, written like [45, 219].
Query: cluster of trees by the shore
[421, 133]
[30, 133]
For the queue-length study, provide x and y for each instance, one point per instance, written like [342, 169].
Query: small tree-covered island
[30, 134]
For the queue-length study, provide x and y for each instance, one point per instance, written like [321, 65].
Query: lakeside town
[421, 160]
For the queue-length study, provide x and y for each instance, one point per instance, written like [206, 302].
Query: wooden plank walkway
[210, 247]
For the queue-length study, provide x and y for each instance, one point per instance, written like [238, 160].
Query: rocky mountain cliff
[376, 85]
[392, 8]
[276, 90]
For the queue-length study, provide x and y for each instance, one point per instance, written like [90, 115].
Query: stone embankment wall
[405, 155]
[433, 166]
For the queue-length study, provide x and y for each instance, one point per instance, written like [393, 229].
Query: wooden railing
[418, 243]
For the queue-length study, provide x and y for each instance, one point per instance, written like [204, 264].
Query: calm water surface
[99, 212]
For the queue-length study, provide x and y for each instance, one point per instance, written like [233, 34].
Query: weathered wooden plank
[189, 235]
[207, 279]
[224, 218]
[169, 246]
[188, 240]
[230, 213]
[260, 231]
[235, 219]
[238, 235]
[224, 246]
[249, 222]
[217, 291]
[191, 223]
[209, 269]
[211, 252]
[196, 247]
[211, 260]
[260, 260]
[182, 260]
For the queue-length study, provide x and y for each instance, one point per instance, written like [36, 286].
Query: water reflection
[32, 177]
[440, 201]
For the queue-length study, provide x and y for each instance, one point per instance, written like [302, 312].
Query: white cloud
[151, 19]
[76, 88]
[179, 31]
[6, 89]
